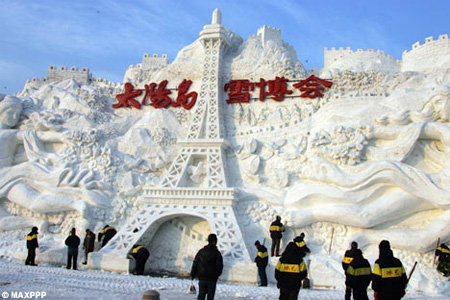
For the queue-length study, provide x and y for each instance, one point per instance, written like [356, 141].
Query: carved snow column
[205, 195]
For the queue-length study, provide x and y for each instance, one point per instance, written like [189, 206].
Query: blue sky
[107, 35]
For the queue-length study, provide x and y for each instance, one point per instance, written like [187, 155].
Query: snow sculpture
[387, 179]
[366, 162]
[35, 181]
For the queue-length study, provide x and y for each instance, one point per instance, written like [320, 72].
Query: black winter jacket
[443, 252]
[109, 232]
[358, 274]
[140, 252]
[388, 276]
[276, 229]
[290, 269]
[208, 264]
[89, 242]
[348, 258]
[262, 257]
[32, 240]
[73, 241]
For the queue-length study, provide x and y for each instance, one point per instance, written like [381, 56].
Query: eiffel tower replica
[204, 145]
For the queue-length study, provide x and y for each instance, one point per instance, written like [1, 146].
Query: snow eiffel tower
[204, 146]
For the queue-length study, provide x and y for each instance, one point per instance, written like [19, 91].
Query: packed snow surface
[59, 283]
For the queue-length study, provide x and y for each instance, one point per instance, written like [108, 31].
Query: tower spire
[216, 17]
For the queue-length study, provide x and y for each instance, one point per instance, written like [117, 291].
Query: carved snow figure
[31, 180]
[362, 192]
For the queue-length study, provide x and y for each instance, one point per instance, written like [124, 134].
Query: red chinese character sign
[239, 90]
[312, 87]
[127, 98]
[157, 96]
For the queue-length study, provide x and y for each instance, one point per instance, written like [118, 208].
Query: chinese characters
[239, 90]
[157, 95]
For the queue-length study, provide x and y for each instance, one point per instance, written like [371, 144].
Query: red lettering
[158, 96]
[312, 87]
[127, 98]
[276, 88]
[182, 98]
[239, 90]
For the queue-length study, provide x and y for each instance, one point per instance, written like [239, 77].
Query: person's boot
[271, 253]
[278, 254]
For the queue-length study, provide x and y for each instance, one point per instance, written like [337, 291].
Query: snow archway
[173, 242]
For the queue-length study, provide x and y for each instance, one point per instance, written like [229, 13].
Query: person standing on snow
[444, 259]
[88, 244]
[346, 261]
[261, 260]
[140, 254]
[388, 276]
[109, 232]
[32, 244]
[290, 271]
[276, 233]
[207, 266]
[72, 243]
[358, 276]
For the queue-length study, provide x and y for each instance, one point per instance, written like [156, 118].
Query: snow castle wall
[435, 53]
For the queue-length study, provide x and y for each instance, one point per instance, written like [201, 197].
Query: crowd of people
[72, 242]
[388, 276]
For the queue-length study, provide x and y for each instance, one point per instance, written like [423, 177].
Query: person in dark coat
[207, 266]
[444, 259]
[388, 276]
[32, 244]
[276, 233]
[72, 243]
[140, 254]
[358, 276]
[108, 232]
[88, 244]
[346, 261]
[261, 260]
[290, 271]
[300, 242]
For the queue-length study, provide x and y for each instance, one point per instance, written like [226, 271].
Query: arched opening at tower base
[173, 242]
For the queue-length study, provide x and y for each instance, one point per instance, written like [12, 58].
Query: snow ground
[59, 283]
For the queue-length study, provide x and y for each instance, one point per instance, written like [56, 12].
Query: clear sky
[109, 35]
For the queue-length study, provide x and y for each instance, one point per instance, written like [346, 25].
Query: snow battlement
[153, 62]
[333, 54]
[267, 33]
[427, 56]
[54, 74]
[102, 81]
[369, 60]
[82, 76]
[148, 62]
